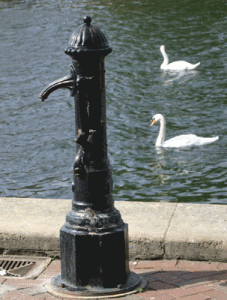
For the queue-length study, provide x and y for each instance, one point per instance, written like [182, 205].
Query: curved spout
[64, 82]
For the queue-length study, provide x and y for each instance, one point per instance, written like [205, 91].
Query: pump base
[133, 285]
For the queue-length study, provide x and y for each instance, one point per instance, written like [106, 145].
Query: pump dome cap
[87, 39]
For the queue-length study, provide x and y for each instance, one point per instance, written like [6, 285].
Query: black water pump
[94, 238]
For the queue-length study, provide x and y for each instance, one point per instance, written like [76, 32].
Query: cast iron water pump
[94, 238]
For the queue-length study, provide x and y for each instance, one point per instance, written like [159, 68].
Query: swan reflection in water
[168, 77]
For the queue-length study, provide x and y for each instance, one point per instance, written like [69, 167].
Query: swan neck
[165, 56]
[162, 131]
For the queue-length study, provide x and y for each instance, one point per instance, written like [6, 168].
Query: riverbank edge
[157, 230]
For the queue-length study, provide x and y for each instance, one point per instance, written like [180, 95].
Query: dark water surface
[37, 139]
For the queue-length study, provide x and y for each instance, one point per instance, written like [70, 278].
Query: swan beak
[152, 123]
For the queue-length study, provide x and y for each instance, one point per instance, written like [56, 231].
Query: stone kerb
[156, 230]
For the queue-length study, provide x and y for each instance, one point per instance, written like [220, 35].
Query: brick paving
[166, 280]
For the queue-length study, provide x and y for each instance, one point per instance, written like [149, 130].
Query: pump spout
[65, 82]
[71, 82]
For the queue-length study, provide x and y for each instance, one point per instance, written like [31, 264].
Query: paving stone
[158, 264]
[54, 298]
[181, 292]
[200, 274]
[132, 264]
[222, 266]
[144, 264]
[219, 276]
[179, 273]
[129, 297]
[51, 297]
[197, 266]
[132, 297]
[150, 277]
[172, 282]
[53, 270]
[195, 282]
[168, 278]
[33, 291]
[55, 266]
[215, 294]
[220, 285]
[16, 295]
[4, 289]
[196, 297]
[144, 271]
[150, 295]
[23, 283]
[161, 286]
[74, 299]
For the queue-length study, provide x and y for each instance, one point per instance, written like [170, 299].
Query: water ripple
[38, 139]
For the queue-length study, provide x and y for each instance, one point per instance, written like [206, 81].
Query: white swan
[176, 65]
[178, 141]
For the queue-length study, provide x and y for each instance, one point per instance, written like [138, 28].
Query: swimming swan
[176, 65]
[180, 140]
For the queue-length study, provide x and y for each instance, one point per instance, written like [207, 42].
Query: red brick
[144, 271]
[197, 266]
[16, 295]
[201, 281]
[144, 264]
[52, 270]
[157, 264]
[51, 297]
[161, 286]
[220, 285]
[196, 297]
[54, 266]
[2, 280]
[54, 298]
[219, 276]
[155, 295]
[150, 277]
[180, 292]
[166, 277]
[171, 277]
[179, 273]
[200, 274]
[80, 299]
[35, 290]
[195, 282]
[132, 265]
[22, 283]
[222, 266]
[217, 295]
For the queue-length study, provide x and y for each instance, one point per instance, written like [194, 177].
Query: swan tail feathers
[194, 66]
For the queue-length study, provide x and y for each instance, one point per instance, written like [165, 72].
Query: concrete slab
[148, 224]
[32, 224]
[198, 232]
